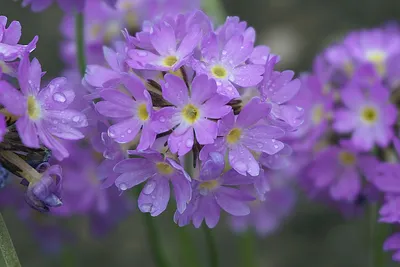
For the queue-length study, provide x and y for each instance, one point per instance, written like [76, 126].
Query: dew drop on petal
[141, 53]
[123, 186]
[260, 145]
[189, 142]
[129, 131]
[162, 119]
[111, 133]
[149, 187]
[59, 97]
[240, 166]
[146, 207]
[224, 52]
[76, 118]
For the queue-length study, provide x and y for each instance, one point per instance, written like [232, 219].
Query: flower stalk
[80, 42]
[6, 246]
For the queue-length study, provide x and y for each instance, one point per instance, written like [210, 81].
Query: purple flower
[156, 9]
[367, 115]
[239, 135]
[339, 169]
[157, 172]
[9, 38]
[167, 52]
[393, 243]
[226, 63]
[44, 113]
[214, 191]
[266, 216]
[191, 113]
[277, 88]
[134, 114]
[69, 6]
[46, 191]
[3, 127]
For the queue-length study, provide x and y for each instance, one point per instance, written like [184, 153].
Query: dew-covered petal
[97, 75]
[125, 131]
[226, 124]
[202, 89]
[135, 86]
[243, 161]
[155, 202]
[216, 108]
[164, 119]
[174, 90]
[27, 132]
[287, 92]
[218, 146]
[56, 95]
[247, 75]
[163, 39]
[113, 110]
[12, 99]
[212, 167]
[181, 144]
[236, 50]
[147, 137]
[118, 98]
[206, 131]
[69, 116]
[254, 111]
[189, 43]
[262, 138]
[182, 191]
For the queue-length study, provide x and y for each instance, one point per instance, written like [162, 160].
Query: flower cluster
[351, 105]
[200, 110]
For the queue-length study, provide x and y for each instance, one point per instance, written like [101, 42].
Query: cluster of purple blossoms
[177, 96]
[349, 134]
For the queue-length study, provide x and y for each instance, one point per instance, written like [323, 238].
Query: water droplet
[149, 187]
[59, 97]
[76, 118]
[240, 166]
[260, 145]
[111, 133]
[162, 119]
[276, 146]
[224, 52]
[141, 53]
[123, 186]
[189, 142]
[146, 207]
[219, 83]
[129, 131]
[122, 136]
[203, 191]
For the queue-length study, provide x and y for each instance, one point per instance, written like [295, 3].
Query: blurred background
[313, 235]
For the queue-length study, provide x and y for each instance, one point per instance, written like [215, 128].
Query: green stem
[187, 249]
[153, 236]
[215, 9]
[6, 245]
[378, 233]
[80, 42]
[211, 246]
[246, 249]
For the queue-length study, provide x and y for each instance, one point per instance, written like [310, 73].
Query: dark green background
[313, 236]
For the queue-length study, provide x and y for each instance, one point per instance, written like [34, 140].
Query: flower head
[393, 243]
[241, 135]
[193, 112]
[214, 191]
[43, 112]
[9, 38]
[157, 172]
[367, 115]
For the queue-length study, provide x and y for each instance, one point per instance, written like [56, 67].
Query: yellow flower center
[142, 112]
[234, 135]
[377, 57]
[369, 115]
[170, 61]
[209, 185]
[219, 72]
[318, 114]
[347, 158]
[33, 108]
[164, 168]
[191, 113]
[348, 68]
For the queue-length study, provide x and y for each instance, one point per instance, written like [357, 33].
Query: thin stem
[246, 249]
[6, 245]
[377, 234]
[187, 249]
[372, 224]
[153, 237]
[211, 246]
[215, 9]
[80, 42]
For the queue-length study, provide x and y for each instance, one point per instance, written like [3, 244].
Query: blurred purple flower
[9, 38]
[393, 243]
[367, 115]
[68, 6]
